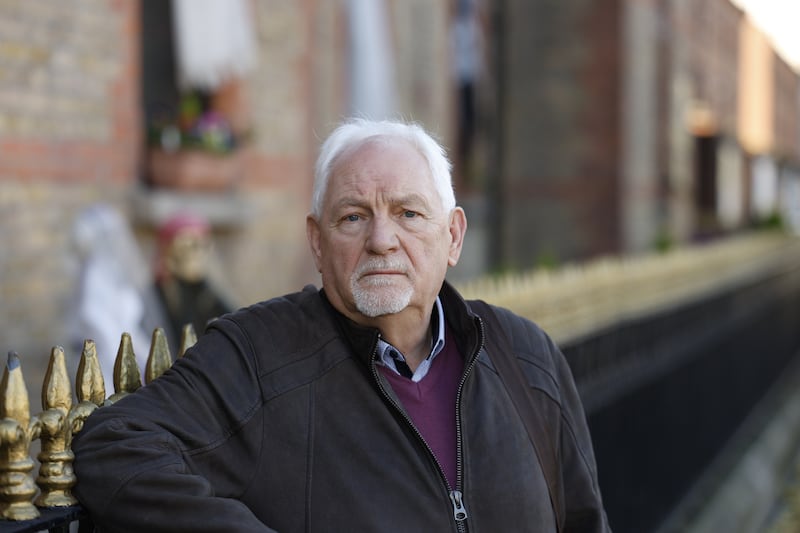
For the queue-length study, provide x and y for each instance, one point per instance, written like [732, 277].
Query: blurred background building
[577, 128]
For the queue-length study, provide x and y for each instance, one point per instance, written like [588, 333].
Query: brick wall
[787, 112]
[420, 30]
[267, 256]
[67, 102]
[39, 266]
[69, 131]
[713, 37]
[561, 133]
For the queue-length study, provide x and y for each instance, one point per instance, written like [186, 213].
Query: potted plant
[197, 150]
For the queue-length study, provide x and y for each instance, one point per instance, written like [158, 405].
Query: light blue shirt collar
[387, 354]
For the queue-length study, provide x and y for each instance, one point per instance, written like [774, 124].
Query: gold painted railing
[22, 496]
[578, 300]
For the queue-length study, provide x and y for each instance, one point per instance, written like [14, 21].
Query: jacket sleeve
[151, 462]
[583, 505]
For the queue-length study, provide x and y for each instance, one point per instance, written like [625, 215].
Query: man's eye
[410, 214]
[352, 218]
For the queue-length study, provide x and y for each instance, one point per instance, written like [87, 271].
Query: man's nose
[382, 236]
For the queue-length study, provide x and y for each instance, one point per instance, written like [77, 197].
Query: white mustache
[379, 265]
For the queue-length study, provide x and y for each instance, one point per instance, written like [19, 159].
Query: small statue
[183, 276]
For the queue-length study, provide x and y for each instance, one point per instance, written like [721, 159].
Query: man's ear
[458, 228]
[313, 234]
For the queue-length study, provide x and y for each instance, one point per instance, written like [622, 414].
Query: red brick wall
[69, 92]
[561, 132]
[787, 112]
[69, 136]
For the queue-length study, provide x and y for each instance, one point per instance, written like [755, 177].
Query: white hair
[355, 132]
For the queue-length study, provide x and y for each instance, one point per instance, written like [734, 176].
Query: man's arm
[136, 461]
[583, 505]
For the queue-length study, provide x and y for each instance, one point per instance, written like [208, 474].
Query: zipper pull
[459, 511]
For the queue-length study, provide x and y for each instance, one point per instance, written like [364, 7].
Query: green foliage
[547, 260]
[773, 221]
[663, 242]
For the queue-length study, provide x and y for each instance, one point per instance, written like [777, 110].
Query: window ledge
[152, 206]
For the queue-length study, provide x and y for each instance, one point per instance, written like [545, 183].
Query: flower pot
[194, 170]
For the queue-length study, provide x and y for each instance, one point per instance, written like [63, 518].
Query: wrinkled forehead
[386, 159]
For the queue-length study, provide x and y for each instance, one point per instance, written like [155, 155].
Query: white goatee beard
[379, 296]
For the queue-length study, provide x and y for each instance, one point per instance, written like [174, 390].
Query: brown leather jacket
[277, 420]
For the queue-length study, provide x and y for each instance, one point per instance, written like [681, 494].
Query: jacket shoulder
[542, 360]
[525, 336]
[288, 327]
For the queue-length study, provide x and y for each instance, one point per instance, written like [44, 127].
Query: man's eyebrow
[412, 199]
[349, 201]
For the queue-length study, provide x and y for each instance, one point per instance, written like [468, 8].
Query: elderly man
[373, 404]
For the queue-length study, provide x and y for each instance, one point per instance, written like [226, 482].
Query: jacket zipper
[456, 496]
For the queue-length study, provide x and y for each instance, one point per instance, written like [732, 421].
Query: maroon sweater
[431, 403]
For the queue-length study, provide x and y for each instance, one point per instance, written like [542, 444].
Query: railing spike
[90, 387]
[188, 339]
[127, 377]
[56, 389]
[89, 383]
[17, 430]
[159, 359]
[15, 401]
[56, 477]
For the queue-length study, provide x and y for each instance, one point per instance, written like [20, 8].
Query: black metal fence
[665, 392]
[53, 520]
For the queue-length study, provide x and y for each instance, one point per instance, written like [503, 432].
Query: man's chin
[375, 303]
[376, 313]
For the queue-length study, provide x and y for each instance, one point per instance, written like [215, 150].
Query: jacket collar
[464, 323]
